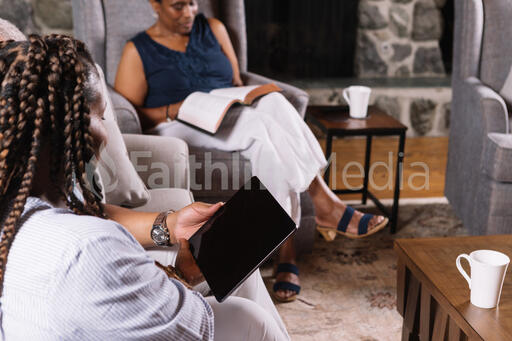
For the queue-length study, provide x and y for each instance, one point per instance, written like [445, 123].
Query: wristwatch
[159, 232]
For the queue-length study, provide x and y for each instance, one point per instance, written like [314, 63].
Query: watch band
[161, 221]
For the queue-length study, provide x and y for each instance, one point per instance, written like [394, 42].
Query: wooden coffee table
[433, 297]
[335, 121]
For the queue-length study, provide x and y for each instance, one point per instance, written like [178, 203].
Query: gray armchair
[479, 170]
[106, 25]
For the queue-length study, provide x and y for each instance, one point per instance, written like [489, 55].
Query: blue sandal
[362, 231]
[286, 267]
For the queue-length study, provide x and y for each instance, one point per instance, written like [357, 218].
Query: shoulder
[135, 45]
[139, 37]
[130, 49]
[219, 30]
[71, 229]
[132, 55]
[50, 241]
[216, 26]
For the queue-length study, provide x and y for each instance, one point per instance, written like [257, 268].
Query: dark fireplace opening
[302, 38]
[446, 41]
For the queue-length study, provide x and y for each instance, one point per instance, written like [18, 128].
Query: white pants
[248, 314]
[283, 151]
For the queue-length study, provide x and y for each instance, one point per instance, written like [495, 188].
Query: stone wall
[399, 38]
[39, 16]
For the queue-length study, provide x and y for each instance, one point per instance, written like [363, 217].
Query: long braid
[53, 79]
[32, 107]
[9, 116]
[34, 113]
[84, 148]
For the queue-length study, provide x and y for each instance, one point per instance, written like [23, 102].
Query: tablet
[239, 237]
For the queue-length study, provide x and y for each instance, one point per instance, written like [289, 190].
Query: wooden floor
[423, 173]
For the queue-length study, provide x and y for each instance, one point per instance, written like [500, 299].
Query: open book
[207, 110]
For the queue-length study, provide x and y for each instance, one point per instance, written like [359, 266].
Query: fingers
[184, 253]
[215, 207]
[207, 209]
[183, 244]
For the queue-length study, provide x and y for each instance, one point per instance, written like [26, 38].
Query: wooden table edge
[372, 109]
[435, 292]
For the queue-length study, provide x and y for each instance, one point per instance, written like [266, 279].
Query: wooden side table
[335, 121]
[433, 297]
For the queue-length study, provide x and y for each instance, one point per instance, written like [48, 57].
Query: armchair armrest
[497, 156]
[297, 97]
[495, 112]
[126, 115]
[161, 162]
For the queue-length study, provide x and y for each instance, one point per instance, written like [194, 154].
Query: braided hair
[44, 98]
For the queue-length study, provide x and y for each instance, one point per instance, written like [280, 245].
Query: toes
[284, 294]
[376, 220]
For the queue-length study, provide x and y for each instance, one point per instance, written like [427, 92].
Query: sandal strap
[345, 219]
[286, 286]
[287, 267]
[363, 224]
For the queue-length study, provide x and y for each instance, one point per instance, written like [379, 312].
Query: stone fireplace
[404, 38]
[400, 48]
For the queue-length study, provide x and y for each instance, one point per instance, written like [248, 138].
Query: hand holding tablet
[239, 237]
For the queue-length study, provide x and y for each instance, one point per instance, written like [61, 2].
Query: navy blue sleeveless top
[173, 75]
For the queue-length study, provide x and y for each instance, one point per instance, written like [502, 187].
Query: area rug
[349, 286]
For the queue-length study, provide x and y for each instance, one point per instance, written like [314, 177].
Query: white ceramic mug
[357, 98]
[488, 270]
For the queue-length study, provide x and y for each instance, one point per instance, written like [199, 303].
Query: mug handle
[345, 96]
[461, 270]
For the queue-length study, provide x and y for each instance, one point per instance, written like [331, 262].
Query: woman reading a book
[66, 272]
[184, 52]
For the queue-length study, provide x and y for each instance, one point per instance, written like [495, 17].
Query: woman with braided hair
[65, 271]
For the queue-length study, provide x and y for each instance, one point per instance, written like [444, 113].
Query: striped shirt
[72, 277]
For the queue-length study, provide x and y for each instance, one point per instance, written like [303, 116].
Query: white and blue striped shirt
[72, 277]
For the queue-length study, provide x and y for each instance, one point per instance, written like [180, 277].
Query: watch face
[158, 235]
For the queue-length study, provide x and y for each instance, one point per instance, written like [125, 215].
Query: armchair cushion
[162, 199]
[496, 53]
[497, 155]
[160, 161]
[125, 114]
[122, 184]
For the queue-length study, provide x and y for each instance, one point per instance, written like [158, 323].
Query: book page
[204, 110]
[237, 92]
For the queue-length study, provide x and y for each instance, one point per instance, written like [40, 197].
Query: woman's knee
[241, 319]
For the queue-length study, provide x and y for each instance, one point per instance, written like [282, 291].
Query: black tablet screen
[244, 232]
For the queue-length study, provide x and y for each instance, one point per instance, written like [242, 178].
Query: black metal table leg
[398, 178]
[366, 168]
[328, 150]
